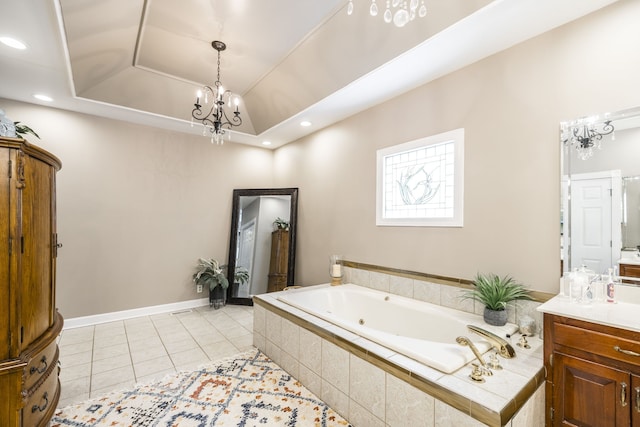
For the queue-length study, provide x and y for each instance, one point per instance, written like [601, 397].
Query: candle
[335, 270]
[198, 95]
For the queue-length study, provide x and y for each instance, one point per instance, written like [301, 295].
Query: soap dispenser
[610, 289]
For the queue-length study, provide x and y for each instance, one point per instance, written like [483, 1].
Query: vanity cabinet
[629, 270]
[29, 323]
[593, 373]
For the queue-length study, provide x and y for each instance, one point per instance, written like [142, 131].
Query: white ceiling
[142, 61]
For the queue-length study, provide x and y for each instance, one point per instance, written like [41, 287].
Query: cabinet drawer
[41, 402]
[598, 343]
[40, 364]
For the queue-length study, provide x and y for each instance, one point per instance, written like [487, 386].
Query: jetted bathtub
[419, 330]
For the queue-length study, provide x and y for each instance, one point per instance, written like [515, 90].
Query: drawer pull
[43, 362]
[637, 399]
[35, 408]
[623, 394]
[627, 352]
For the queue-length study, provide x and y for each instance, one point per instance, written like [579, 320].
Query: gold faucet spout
[466, 341]
[504, 348]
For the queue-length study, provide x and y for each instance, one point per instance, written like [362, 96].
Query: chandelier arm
[607, 128]
[207, 118]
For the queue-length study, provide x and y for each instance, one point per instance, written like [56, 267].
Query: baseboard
[78, 322]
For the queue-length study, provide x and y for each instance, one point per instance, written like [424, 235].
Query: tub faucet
[500, 344]
[466, 341]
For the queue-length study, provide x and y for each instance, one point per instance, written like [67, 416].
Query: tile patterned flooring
[117, 355]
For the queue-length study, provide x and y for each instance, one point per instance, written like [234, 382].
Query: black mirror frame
[233, 240]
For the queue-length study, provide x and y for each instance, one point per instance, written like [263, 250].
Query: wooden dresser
[279, 263]
[29, 322]
[593, 373]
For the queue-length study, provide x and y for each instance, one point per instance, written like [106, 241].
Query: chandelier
[400, 12]
[213, 114]
[586, 138]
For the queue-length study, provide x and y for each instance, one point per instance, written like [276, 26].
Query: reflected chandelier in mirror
[600, 228]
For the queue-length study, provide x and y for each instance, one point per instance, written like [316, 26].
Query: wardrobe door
[37, 305]
[5, 288]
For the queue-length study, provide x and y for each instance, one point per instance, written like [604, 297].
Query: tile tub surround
[371, 385]
[439, 290]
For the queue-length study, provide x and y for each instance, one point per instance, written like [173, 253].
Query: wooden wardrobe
[29, 322]
[279, 263]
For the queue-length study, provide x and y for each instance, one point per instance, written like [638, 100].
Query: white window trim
[456, 220]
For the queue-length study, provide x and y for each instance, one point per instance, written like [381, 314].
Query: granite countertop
[620, 314]
[632, 261]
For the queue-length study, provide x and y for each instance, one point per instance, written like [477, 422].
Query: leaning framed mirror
[262, 244]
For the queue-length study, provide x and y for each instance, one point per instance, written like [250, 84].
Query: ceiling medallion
[400, 12]
[213, 114]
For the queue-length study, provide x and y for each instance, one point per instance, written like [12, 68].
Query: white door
[245, 254]
[591, 224]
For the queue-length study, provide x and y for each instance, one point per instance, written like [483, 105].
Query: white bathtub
[419, 330]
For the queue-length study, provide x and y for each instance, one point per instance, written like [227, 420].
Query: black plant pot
[217, 297]
[495, 317]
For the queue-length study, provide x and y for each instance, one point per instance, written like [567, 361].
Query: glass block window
[420, 182]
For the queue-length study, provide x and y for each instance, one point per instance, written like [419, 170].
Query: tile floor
[117, 355]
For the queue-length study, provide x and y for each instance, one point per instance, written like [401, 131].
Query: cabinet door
[635, 400]
[37, 305]
[590, 394]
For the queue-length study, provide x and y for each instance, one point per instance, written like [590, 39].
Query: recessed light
[43, 97]
[11, 42]
[266, 142]
[305, 123]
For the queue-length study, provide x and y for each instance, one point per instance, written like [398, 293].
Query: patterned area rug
[245, 390]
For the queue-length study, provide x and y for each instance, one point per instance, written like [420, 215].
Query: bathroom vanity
[592, 360]
[629, 267]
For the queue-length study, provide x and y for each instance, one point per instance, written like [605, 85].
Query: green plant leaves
[495, 291]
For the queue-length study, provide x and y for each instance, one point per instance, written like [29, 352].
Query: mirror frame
[566, 172]
[233, 237]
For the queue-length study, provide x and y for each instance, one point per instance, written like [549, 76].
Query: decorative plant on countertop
[495, 293]
[212, 275]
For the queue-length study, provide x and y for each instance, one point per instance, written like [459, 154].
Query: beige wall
[137, 206]
[510, 106]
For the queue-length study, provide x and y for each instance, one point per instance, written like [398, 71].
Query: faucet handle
[494, 363]
[476, 373]
[523, 342]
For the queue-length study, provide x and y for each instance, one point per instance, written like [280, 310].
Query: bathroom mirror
[600, 190]
[257, 246]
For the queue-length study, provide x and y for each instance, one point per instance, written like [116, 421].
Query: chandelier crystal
[586, 137]
[213, 114]
[400, 12]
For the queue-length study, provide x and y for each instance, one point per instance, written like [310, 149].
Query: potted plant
[212, 275]
[281, 224]
[495, 293]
